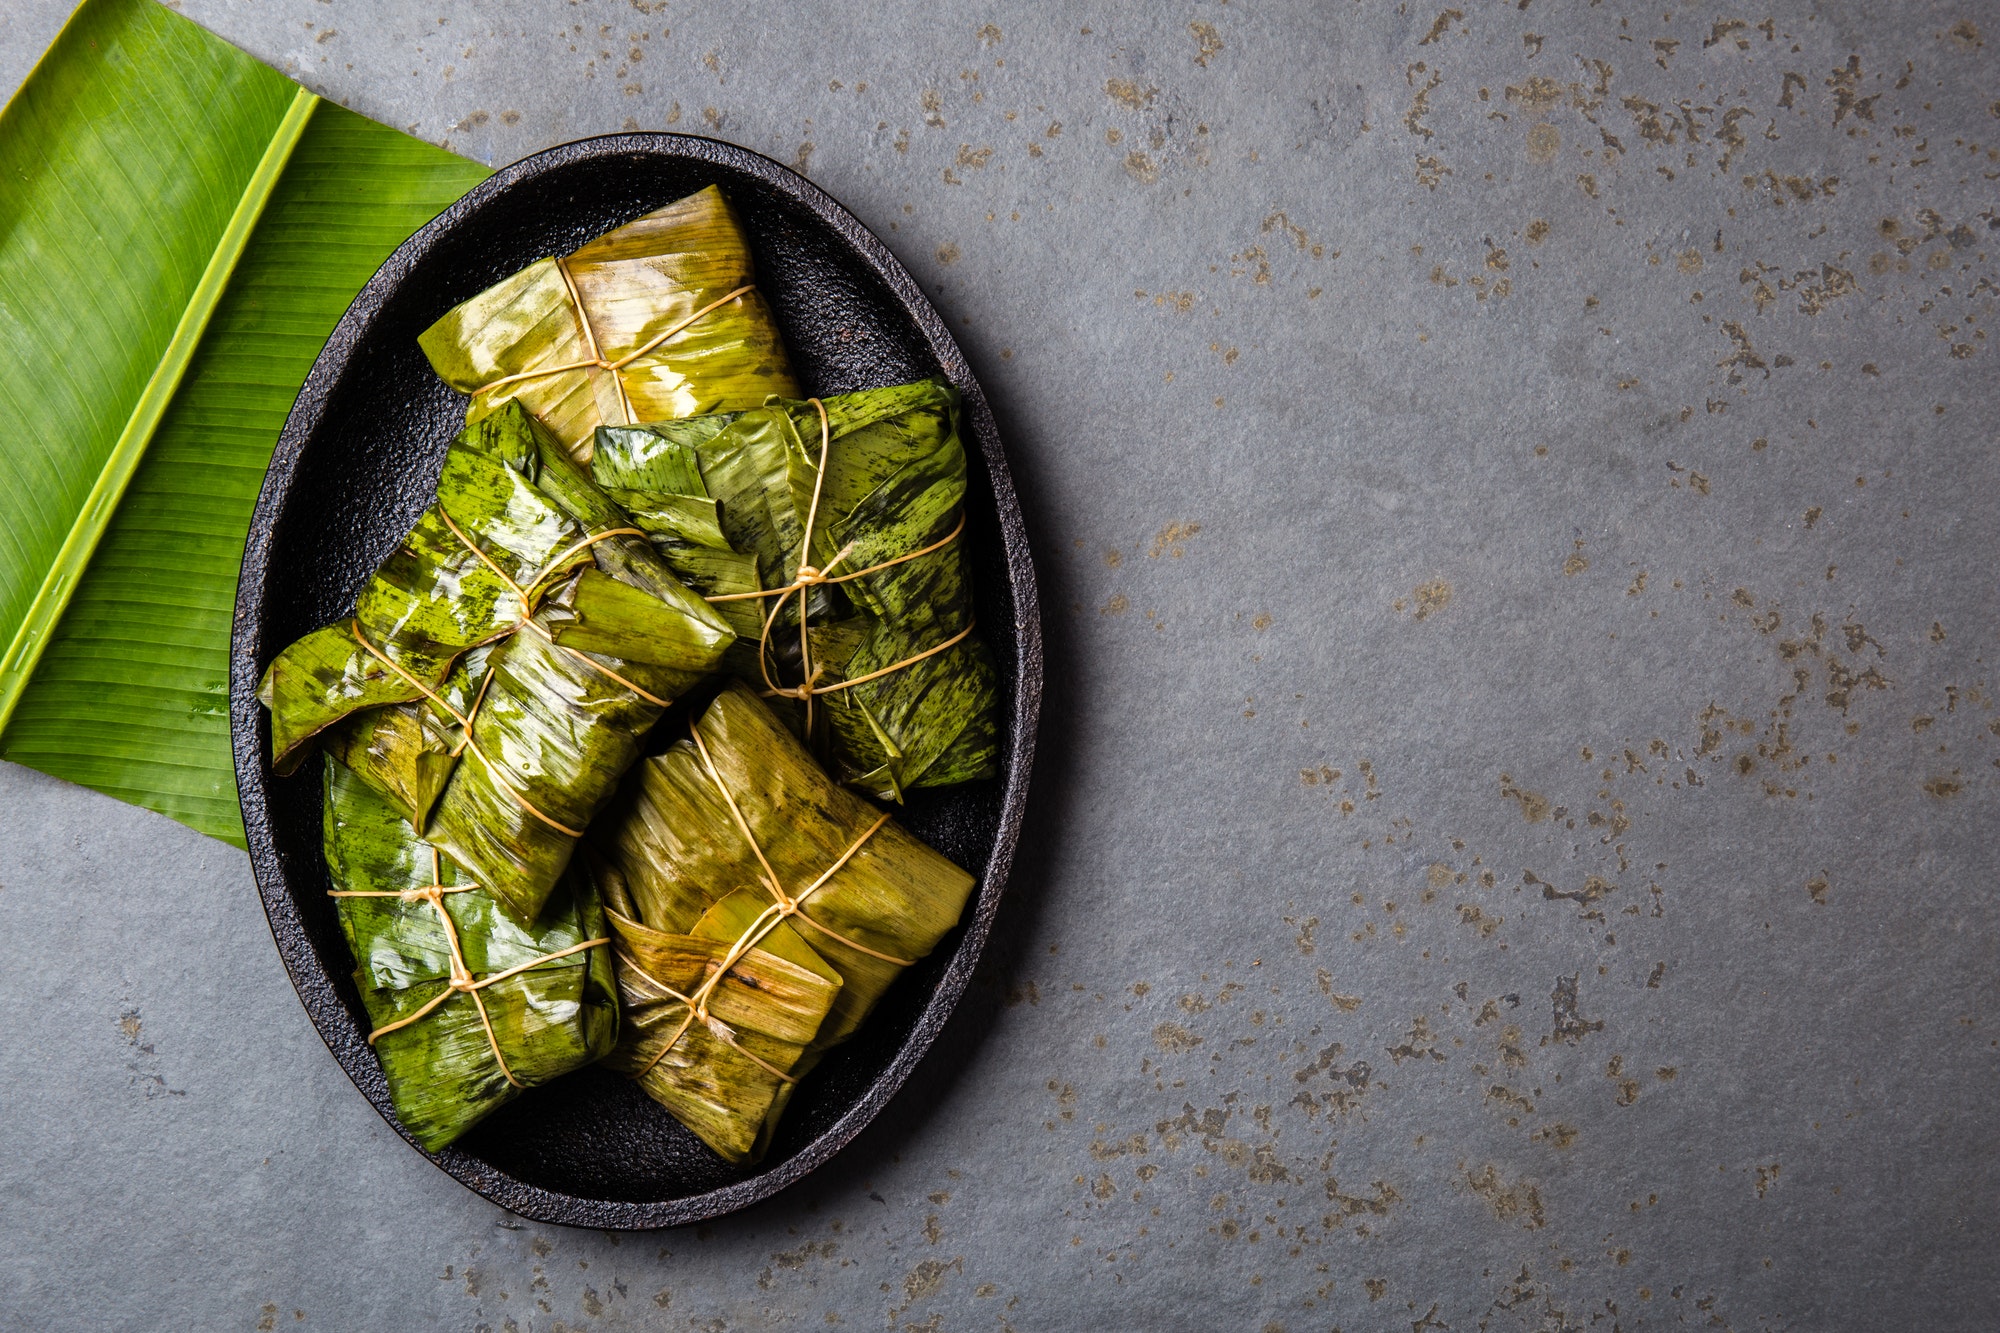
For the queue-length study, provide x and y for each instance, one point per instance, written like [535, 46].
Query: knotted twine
[461, 980]
[783, 907]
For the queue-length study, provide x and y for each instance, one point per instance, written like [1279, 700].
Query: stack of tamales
[641, 507]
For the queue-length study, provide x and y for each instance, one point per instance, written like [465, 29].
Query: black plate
[358, 461]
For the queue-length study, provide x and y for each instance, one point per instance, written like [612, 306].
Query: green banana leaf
[180, 228]
[680, 866]
[664, 492]
[894, 484]
[444, 1071]
[630, 286]
[594, 637]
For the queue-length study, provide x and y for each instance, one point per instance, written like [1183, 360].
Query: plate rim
[315, 987]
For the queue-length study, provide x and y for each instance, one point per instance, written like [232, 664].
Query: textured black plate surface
[358, 461]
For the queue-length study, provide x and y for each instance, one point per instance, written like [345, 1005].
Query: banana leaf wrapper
[444, 1075]
[407, 751]
[630, 285]
[718, 491]
[557, 706]
[682, 858]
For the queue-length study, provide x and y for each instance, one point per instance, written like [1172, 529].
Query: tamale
[591, 636]
[908, 694]
[664, 273]
[717, 1033]
[476, 1049]
[710, 839]
[433, 597]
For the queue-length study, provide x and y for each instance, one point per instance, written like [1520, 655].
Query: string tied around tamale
[460, 979]
[526, 597]
[784, 906]
[809, 576]
[596, 359]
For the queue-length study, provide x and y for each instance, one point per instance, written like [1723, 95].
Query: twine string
[590, 336]
[527, 605]
[461, 980]
[809, 575]
[638, 976]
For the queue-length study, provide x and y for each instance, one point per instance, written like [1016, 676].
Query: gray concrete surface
[1513, 486]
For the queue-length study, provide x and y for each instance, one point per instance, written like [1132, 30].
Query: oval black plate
[358, 461]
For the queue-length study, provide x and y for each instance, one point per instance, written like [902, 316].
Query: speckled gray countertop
[1513, 844]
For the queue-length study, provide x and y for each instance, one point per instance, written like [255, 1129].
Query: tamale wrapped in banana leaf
[899, 693]
[468, 1008]
[736, 835]
[454, 582]
[525, 624]
[726, 1071]
[658, 319]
